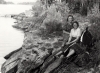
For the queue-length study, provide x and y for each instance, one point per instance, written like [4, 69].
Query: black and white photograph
[49, 36]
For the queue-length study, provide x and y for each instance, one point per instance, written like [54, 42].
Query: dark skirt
[76, 47]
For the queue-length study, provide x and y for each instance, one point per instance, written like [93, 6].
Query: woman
[68, 26]
[73, 41]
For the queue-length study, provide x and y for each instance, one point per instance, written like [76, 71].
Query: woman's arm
[74, 40]
[65, 32]
[70, 37]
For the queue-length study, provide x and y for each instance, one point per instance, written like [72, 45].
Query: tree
[83, 5]
[78, 6]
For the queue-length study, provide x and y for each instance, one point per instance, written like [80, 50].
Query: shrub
[95, 27]
[37, 8]
[52, 27]
[95, 30]
[98, 51]
[63, 8]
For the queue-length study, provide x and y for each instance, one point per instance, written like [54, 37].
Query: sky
[18, 1]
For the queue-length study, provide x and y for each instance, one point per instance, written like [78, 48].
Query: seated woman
[68, 26]
[73, 41]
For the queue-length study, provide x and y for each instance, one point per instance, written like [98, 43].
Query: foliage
[95, 27]
[52, 27]
[76, 6]
[56, 17]
[37, 8]
[97, 45]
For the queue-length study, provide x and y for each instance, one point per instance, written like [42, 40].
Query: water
[13, 9]
[10, 38]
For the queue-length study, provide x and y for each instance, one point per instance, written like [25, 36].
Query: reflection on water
[10, 38]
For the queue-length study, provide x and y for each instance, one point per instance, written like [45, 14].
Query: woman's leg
[71, 52]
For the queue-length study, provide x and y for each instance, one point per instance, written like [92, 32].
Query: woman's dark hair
[76, 23]
[70, 16]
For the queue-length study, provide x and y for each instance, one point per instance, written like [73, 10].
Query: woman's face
[75, 26]
[70, 19]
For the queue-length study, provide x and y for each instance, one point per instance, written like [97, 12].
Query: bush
[63, 8]
[95, 27]
[52, 27]
[98, 51]
[37, 8]
[95, 30]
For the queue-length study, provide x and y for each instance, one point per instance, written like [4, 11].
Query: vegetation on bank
[44, 30]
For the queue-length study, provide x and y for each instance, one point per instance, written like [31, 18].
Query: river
[10, 38]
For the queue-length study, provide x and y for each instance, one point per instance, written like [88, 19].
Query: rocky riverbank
[43, 36]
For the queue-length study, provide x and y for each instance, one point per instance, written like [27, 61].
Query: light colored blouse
[75, 32]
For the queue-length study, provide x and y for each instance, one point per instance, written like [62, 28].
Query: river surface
[10, 38]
